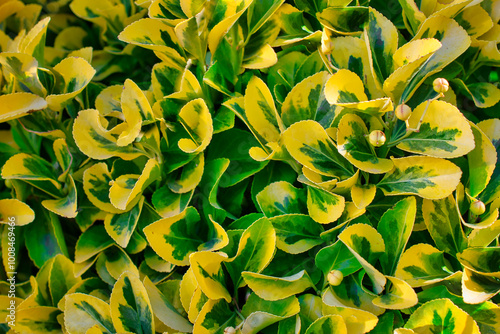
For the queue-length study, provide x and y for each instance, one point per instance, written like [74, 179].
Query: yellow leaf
[15, 211]
[17, 105]
[196, 119]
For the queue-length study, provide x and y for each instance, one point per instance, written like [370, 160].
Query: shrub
[239, 166]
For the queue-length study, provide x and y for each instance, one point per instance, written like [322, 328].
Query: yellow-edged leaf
[427, 177]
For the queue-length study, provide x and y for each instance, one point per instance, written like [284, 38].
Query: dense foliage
[250, 166]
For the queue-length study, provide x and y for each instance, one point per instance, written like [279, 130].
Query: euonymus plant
[250, 166]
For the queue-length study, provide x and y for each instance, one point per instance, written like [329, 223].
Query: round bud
[229, 330]
[377, 138]
[477, 208]
[335, 277]
[8, 183]
[440, 85]
[403, 112]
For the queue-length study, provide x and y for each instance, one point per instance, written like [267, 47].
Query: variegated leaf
[427, 177]
[352, 143]
[131, 309]
[296, 233]
[444, 131]
[421, 265]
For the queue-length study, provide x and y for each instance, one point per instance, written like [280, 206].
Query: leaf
[169, 204]
[483, 260]
[175, 238]
[475, 20]
[190, 176]
[261, 313]
[263, 58]
[276, 288]
[352, 143]
[344, 20]
[83, 311]
[309, 144]
[363, 195]
[422, 265]
[155, 35]
[396, 226]
[444, 131]
[95, 141]
[25, 69]
[416, 49]
[241, 164]
[351, 294]
[337, 257]
[409, 60]
[427, 177]
[76, 73]
[306, 101]
[490, 129]
[38, 320]
[34, 170]
[196, 119]
[33, 43]
[441, 315]
[477, 288]
[255, 250]
[280, 198]
[207, 270]
[17, 105]
[484, 94]
[482, 160]
[121, 226]
[164, 310]
[45, 239]
[323, 206]
[260, 112]
[96, 184]
[126, 188]
[296, 233]
[66, 206]
[367, 245]
[383, 39]
[92, 242]
[130, 306]
[214, 317]
[328, 324]
[443, 223]
[357, 321]
[351, 53]
[400, 295]
[454, 40]
[13, 210]
[61, 278]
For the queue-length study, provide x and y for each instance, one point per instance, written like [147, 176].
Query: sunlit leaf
[367, 245]
[421, 265]
[130, 306]
[427, 177]
[441, 315]
[444, 131]
[443, 223]
[17, 105]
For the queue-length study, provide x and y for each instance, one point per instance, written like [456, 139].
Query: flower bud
[229, 330]
[403, 112]
[440, 85]
[377, 138]
[477, 208]
[335, 277]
